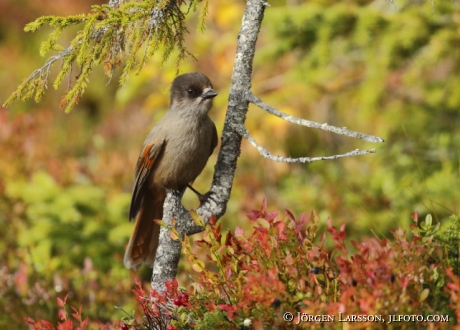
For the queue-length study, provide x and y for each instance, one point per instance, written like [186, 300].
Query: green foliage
[67, 224]
[213, 320]
[449, 240]
[65, 238]
[370, 44]
[381, 70]
[132, 32]
[426, 230]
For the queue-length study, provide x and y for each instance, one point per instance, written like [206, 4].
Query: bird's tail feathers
[143, 242]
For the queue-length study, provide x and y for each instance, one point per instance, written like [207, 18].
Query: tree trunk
[168, 252]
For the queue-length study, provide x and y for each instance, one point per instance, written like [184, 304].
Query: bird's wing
[150, 153]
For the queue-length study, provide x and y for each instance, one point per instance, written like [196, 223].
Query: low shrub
[286, 274]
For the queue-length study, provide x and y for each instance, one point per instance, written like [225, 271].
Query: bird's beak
[209, 94]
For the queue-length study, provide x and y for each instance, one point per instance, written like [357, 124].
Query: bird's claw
[202, 197]
[174, 192]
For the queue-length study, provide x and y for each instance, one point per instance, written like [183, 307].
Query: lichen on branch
[121, 33]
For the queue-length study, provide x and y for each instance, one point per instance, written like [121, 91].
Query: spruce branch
[36, 83]
[120, 33]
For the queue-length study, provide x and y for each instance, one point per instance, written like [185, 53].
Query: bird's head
[192, 94]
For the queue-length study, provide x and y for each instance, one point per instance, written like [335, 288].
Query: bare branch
[264, 152]
[303, 122]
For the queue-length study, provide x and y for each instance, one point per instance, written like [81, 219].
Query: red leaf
[61, 303]
[217, 232]
[264, 204]
[302, 220]
[62, 314]
[212, 220]
[171, 285]
[228, 238]
[270, 216]
[253, 215]
[43, 325]
[239, 231]
[290, 215]
[229, 309]
[280, 230]
[228, 274]
[405, 282]
[202, 243]
[67, 325]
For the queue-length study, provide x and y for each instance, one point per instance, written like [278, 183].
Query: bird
[174, 153]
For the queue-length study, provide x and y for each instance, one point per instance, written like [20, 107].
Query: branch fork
[241, 130]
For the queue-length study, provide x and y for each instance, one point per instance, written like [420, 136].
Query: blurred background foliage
[381, 68]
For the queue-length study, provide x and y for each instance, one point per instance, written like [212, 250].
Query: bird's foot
[174, 192]
[202, 197]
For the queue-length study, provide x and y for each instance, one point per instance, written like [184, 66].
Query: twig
[157, 17]
[45, 69]
[264, 152]
[303, 122]
[114, 3]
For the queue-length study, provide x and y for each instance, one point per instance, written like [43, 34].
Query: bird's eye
[190, 91]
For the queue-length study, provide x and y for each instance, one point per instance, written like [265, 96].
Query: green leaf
[196, 218]
[174, 234]
[198, 265]
[428, 221]
[424, 295]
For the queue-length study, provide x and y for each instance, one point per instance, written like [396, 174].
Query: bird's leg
[195, 191]
[201, 197]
